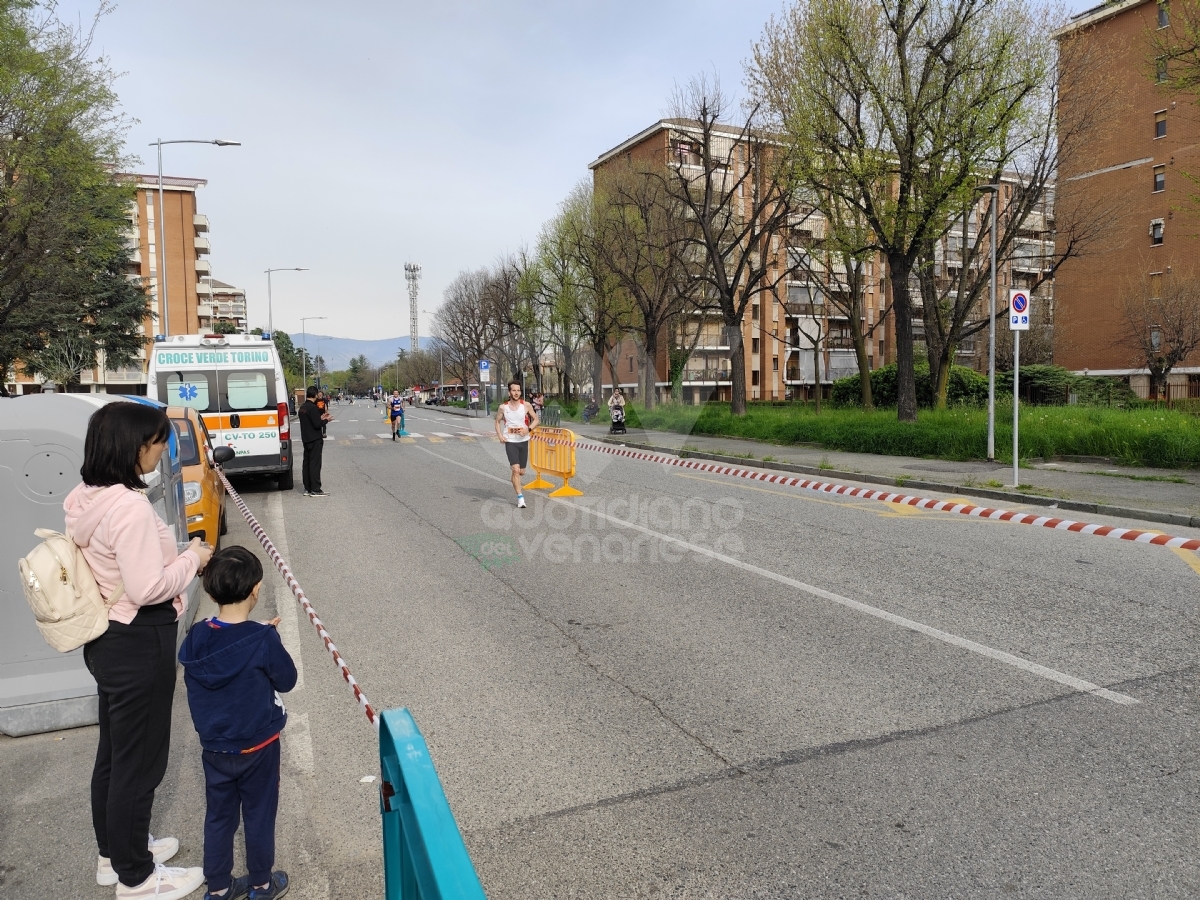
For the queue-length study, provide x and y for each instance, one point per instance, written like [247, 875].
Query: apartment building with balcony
[1147, 155]
[221, 303]
[805, 320]
[185, 234]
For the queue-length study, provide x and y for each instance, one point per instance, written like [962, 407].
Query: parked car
[203, 492]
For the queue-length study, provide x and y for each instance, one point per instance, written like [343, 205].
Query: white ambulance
[235, 382]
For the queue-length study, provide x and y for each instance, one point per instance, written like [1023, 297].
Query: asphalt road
[790, 695]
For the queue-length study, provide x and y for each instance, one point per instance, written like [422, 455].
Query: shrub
[966, 386]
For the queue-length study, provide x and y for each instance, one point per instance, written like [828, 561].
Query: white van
[235, 382]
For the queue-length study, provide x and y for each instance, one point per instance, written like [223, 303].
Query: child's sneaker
[164, 883]
[161, 849]
[238, 890]
[277, 887]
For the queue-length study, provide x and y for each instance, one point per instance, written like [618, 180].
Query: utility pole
[412, 274]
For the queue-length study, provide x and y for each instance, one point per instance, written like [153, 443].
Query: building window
[1160, 69]
[1156, 233]
[753, 345]
[1164, 17]
[774, 363]
[631, 364]
[1160, 178]
[1160, 124]
[1155, 285]
[754, 378]
[754, 311]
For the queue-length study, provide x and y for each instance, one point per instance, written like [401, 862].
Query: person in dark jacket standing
[312, 421]
[234, 670]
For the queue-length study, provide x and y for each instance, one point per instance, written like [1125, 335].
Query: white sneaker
[161, 849]
[520, 503]
[164, 883]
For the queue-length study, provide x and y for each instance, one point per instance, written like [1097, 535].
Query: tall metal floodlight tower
[412, 274]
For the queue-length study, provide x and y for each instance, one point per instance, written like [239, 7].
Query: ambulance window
[247, 390]
[187, 389]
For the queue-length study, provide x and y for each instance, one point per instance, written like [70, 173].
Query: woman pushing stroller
[616, 409]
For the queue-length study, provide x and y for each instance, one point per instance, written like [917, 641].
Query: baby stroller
[618, 420]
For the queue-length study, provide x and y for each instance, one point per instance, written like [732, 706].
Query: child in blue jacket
[234, 669]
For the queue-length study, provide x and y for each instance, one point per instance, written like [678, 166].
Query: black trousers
[312, 464]
[240, 787]
[134, 668]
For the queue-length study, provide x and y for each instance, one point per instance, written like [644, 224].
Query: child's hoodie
[232, 673]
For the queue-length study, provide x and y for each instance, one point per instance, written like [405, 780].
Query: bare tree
[835, 255]
[645, 243]
[1160, 323]
[602, 310]
[66, 354]
[736, 184]
[465, 324]
[894, 108]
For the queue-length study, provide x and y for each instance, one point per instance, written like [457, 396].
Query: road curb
[1143, 515]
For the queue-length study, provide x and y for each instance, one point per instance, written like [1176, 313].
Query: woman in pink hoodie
[128, 546]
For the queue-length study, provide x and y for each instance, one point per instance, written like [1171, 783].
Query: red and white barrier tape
[292, 583]
[966, 509]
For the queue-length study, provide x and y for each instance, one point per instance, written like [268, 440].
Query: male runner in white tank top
[513, 428]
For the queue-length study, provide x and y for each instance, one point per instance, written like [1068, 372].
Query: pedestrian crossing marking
[408, 440]
[441, 434]
[374, 441]
[436, 440]
[415, 434]
[384, 436]
[358, 437]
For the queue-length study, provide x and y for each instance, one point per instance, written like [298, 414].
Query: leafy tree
[64, 294]
[898, 109]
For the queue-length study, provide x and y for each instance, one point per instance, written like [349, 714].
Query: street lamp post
[304, 356]
[994, 190]
[162, 225]
[270, 306]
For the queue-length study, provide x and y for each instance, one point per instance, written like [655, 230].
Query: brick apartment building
[191, 291]
[1149, 147]
[780, 360]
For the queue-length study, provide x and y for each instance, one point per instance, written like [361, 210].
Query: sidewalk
[1164, 496]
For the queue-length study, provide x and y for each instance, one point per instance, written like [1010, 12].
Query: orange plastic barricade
[552, 450]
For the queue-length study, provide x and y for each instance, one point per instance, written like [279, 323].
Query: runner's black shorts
[518, 453]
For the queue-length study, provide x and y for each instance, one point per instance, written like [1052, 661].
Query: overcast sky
[377, 133]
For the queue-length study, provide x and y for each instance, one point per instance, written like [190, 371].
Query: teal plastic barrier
[424, 857]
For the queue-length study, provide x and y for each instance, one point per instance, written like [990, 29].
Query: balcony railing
[695, 375]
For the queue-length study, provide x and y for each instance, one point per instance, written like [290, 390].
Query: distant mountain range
[337, 352]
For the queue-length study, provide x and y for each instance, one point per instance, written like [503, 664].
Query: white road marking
[1001, 656]
[415, 434]
[297, 740]
[285, 605]
[358, 437]
[438, 434]
[384, 436]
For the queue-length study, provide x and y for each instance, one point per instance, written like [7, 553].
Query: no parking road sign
[1018, 310]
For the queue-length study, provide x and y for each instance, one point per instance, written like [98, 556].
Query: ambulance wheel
[285, 481]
